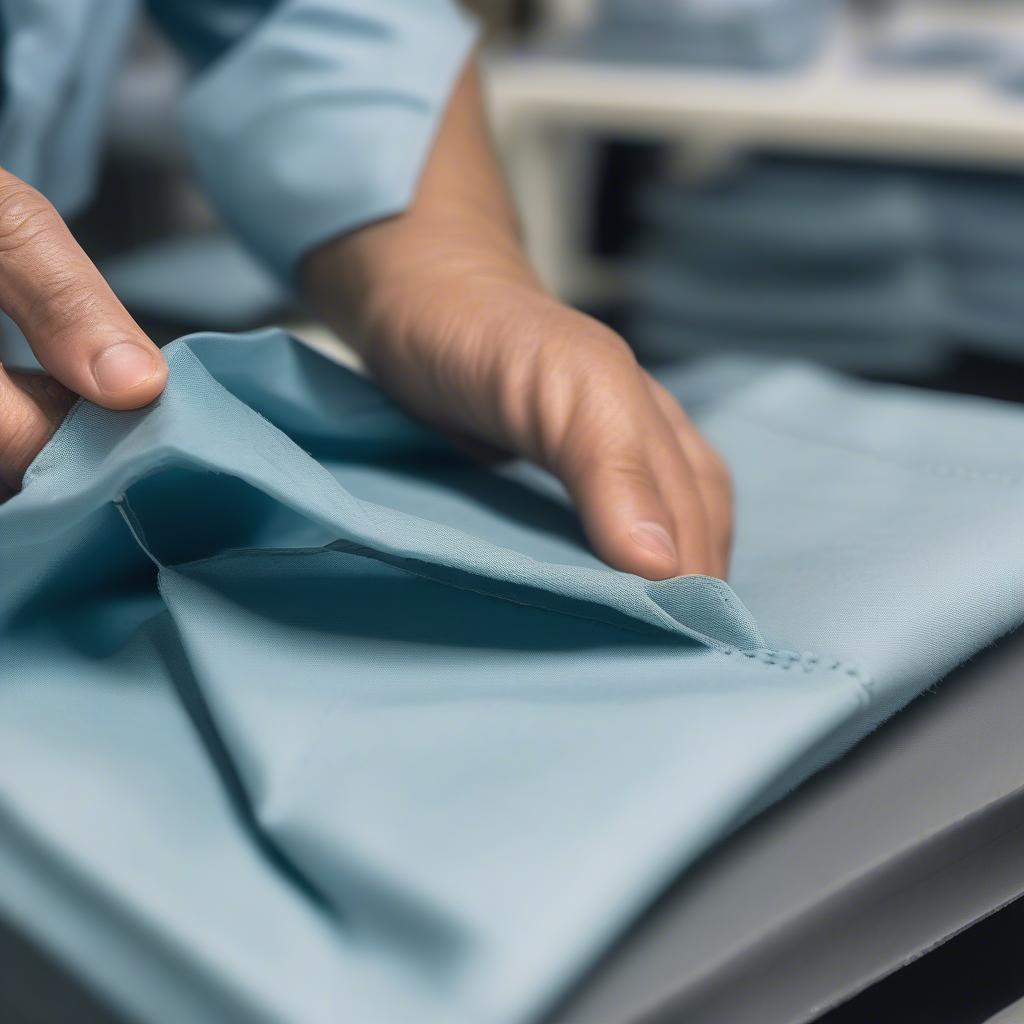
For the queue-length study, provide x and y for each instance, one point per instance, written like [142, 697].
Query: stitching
[781, 659]
[810, 661]
[404, 564]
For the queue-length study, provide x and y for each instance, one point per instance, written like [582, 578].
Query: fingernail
[654, 537]
[123, 366]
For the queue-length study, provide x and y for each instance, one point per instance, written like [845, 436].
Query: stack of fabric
[872, 269]
[756, 35]
[829, 262]
[727, 33]
[978, 231]
[983, 37]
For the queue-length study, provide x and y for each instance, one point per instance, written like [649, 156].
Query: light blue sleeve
[319, 118]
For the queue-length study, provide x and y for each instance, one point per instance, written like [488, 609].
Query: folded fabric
[888, 306]
[303, 717]
[976, 217]
[791, 221]
[802, 258]
[985, 37]
[779, 253]
[659, 341]
[749, 35]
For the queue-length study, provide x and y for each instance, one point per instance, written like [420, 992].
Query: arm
[444, 308]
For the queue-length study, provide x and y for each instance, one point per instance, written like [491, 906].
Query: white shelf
[840, 102]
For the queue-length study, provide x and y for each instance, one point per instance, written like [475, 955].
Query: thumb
[76, 326]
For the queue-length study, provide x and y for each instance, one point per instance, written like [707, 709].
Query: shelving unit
[545, 106]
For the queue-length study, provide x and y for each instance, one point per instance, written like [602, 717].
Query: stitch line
[769, 657]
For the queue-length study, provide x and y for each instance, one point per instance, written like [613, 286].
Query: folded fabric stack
[306, 717]
[746, 34]
[825, 261]
[984, 37]
[875, 270]
[978, 226]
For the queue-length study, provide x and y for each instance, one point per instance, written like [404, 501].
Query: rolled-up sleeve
[320, 117]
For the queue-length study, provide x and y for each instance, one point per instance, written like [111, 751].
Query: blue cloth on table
[304, 717]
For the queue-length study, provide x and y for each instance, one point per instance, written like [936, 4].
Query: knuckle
[616, 346]
[25, 216]
[61, 305]
[631, 470]
[712, 468]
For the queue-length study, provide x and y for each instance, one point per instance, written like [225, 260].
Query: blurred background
[838, 180]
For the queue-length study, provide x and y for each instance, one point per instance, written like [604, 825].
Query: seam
[808, 662]
[782, 659]
[404, 564]
[134, 525]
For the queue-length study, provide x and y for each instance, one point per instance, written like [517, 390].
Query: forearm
[461, 224]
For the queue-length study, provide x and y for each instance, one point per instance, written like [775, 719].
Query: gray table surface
[913, 836]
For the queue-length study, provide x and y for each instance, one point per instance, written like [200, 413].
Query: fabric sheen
[303, 717]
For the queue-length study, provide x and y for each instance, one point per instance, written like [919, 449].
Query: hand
[75, 325]
[447, 314]
[482, 352]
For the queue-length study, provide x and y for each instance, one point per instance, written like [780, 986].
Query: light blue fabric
[374, 737]
[866, 268]
[319, 120]
[307, 118]
[802, 258]
[750, 35]
[200, 279]
[58, 65]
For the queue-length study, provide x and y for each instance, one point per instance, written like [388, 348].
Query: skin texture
[448, 316]
[78, 331]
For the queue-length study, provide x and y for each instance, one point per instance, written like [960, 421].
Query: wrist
[369, 281]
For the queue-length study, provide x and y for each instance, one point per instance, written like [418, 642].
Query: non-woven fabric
[304, 717]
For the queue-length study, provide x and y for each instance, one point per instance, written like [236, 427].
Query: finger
[612, 466]
[32, 406]
[623, 515]
[74, 323]
[684, 501]
[709, 472]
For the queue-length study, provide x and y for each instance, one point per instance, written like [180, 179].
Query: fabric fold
[467, 754]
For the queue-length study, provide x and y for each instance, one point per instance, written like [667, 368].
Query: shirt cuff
[321, 118]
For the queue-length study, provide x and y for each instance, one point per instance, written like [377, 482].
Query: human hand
[80, 333]
[480, 351]
[446, 312]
